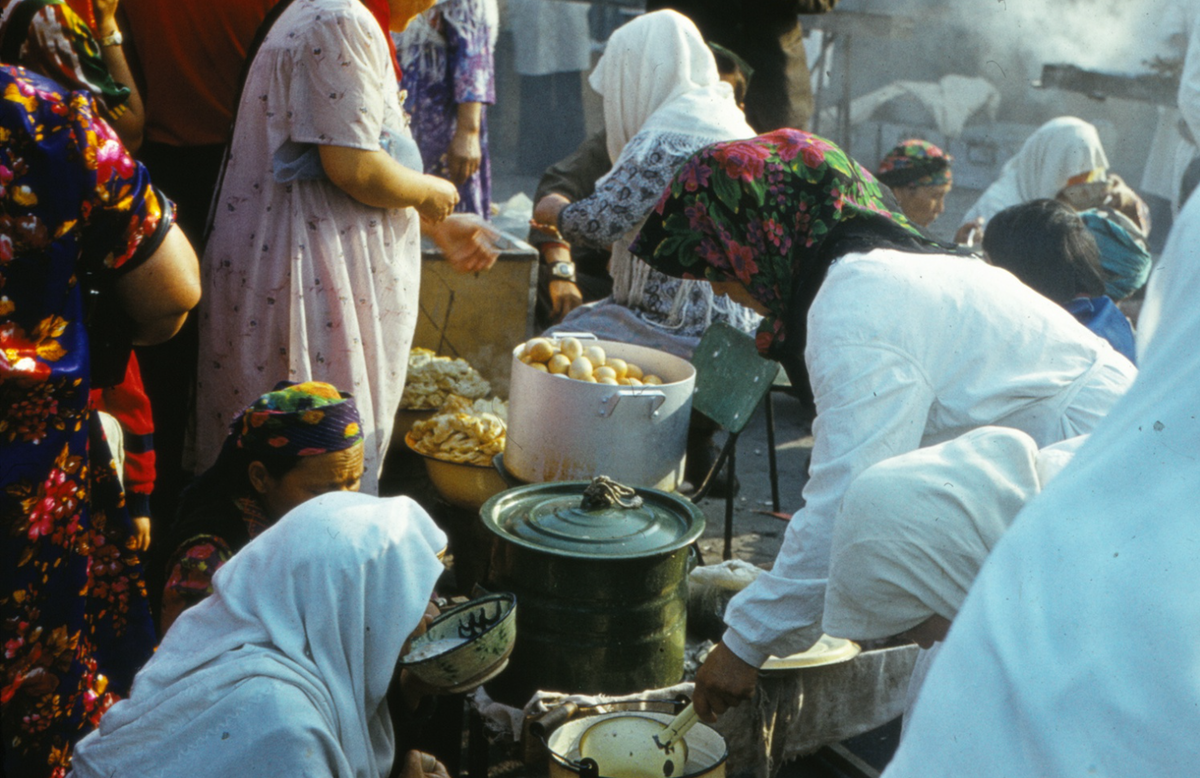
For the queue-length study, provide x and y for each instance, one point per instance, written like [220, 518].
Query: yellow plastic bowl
[460, 484]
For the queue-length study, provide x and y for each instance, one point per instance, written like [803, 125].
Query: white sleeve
[1189, 85]
[872, 404]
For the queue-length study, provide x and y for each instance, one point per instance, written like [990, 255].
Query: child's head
[1046, 244]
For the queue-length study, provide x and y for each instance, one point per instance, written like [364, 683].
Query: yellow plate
[827, 651]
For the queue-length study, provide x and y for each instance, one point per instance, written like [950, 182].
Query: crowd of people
[277, 164]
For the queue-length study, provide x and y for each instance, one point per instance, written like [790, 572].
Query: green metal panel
[731, 376]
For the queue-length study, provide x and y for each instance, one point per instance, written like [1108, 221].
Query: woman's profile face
[404, 11]
[337, 471]
[922, 204]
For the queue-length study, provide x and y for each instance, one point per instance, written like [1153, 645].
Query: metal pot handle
[576, 335]
[608, 406]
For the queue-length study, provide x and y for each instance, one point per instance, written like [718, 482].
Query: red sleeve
[128, 404]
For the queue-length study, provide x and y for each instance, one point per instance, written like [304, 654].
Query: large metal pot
[563, 430]
[603, 591]
[706, 748]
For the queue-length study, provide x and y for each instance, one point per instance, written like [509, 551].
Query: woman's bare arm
[158, 294]
[374, 178]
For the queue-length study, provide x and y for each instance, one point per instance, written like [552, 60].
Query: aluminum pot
[706, 749]
[603, 590]
[564, 430]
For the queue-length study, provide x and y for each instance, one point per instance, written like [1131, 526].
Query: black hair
[233, 464]
[1046, 245]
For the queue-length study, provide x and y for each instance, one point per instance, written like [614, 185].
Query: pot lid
[551, 517]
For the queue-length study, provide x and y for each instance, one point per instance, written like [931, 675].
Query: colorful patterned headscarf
[298, 420]
[916, 162]
[761, 212]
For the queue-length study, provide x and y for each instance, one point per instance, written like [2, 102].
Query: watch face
[564, 270]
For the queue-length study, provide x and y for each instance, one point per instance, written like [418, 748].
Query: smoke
[1111, 35]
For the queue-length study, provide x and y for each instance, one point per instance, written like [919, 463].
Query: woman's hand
[970, 234]
[418, 764]
[724, 681]
[467, 242]
[440, 198]
[564, 295]
[140, 539]
[564, 298]
[465, 153]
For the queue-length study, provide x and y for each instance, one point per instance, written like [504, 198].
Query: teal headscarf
[1123, 256]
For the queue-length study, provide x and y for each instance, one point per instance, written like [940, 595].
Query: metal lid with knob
[596, 519]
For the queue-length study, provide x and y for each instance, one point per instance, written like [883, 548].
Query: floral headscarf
[916, 162]
[298, 420]
[761, 212]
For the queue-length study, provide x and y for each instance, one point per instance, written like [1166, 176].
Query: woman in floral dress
[449, 77]
[74, 208]
[313, 264]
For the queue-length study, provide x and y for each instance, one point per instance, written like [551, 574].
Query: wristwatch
[563, 271]
[116, 39]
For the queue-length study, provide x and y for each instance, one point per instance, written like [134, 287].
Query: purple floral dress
[446, 57]
[74, 619]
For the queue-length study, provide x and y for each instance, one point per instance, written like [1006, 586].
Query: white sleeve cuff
[743, 649]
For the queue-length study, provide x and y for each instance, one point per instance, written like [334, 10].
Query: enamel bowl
[467, 645]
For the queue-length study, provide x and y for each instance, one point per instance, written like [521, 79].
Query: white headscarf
[661, 87]
[1078, 647]
[657, 74]
[914, 530]
[285, 668]
[1055, 153]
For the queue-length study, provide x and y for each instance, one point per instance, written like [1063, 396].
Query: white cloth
[1189, 84]
[952, 101]
[302, 282]
[550, 36]
[908, 350]
[284, 670]
[913, 530]
[1057, 151]
[658, 75]
[116, 442]
[663, 99]
[1076, 651]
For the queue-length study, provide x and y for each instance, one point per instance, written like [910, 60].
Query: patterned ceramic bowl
[466, 645]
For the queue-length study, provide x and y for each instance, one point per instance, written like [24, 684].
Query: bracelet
[116, 39]
[562, 244]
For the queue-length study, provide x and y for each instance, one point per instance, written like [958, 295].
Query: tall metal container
[603, 591]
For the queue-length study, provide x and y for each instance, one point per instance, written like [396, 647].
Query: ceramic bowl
[467, 645]
[460, 484]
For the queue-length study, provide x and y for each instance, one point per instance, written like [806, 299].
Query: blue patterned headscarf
[1125, 259]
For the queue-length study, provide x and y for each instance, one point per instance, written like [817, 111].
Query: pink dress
[301, 281]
